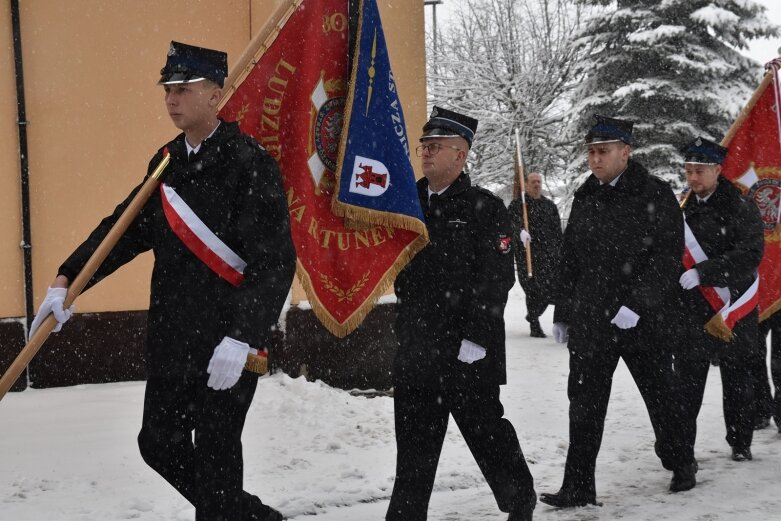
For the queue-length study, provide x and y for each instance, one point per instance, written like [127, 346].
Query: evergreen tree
[673, 67]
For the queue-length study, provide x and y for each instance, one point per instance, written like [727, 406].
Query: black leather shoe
[761, 423]
[568, 499]
[523, 513]
[536, 330]
[741, 454]
[684, 478]
[266, 513]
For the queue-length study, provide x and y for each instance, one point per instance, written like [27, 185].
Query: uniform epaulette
[659, 180]
[252, 141]
[247, 146]
[487, 192]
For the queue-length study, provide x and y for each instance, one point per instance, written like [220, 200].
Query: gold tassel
[718, 328]
[256, 364]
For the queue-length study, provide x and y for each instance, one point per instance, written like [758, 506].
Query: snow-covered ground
[320, 453]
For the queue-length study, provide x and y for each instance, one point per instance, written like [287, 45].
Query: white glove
[690, 279]
[625, 318]
[52, 303]
[525, 237]
[470, 352]
[227, 363]
[560, 332]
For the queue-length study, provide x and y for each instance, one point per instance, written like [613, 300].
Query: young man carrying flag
[724, 246]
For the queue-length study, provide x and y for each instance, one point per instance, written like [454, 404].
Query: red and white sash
[727, 313]
[199, 239]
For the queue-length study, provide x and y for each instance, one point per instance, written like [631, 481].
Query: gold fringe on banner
[776, 307]
[372, 217]
[716, 327]
[342, 329]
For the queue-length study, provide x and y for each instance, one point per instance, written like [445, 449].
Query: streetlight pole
[433, 4]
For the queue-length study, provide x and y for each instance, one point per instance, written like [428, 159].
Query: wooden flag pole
[748, 108]
[522, 186]
[80, 282]
[257, 48]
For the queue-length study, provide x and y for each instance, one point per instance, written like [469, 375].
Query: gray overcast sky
[765, 50]
[761, 50]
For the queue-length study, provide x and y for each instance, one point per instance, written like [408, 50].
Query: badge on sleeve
[504, 243]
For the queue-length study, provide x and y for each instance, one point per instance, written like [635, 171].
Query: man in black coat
[619, 266]
[450, 327]
[224, 261]
[544, 237]
[724, 246]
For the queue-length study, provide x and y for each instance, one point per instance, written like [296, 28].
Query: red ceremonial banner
[291, 96]
[754, 165]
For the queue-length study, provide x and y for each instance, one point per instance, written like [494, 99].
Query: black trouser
[768, 403]
[590, 381]
[736, 383]
[537, 299]
[208, 471]
[421, 417]
[736, 361]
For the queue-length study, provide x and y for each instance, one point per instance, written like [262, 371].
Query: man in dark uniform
[724, 246]
[450, 327]
[545, 237]
[203, 317]
[619, 266]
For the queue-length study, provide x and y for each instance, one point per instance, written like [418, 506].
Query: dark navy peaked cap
[188, 64]
[446, 123]
[705, 152]
[610, 130]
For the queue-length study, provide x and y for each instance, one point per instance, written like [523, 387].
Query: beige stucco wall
[96, 116]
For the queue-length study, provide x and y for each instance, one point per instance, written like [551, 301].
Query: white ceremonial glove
[227, 363]
[690, 279]
[52, 303]
[560, 332]
[625, 318]
[525, 237]
[470, 352]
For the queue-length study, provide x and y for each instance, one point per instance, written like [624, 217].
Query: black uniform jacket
[454, 289]
[234, 186]
[729, 229]
[545, 229]
[622, 247]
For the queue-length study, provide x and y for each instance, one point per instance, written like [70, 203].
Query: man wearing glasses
[451, 355]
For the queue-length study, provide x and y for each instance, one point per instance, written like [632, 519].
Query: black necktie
[433, 200]
[191, 156]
